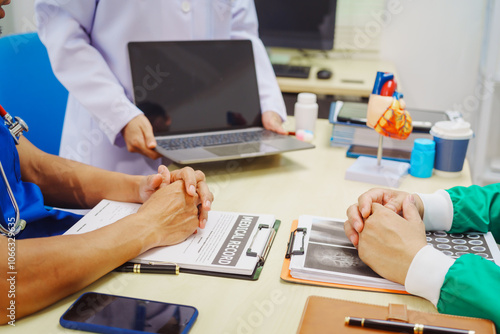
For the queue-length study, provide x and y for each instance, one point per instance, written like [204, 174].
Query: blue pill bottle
[422, 157]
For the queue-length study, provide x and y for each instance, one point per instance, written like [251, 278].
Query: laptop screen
[195, 86]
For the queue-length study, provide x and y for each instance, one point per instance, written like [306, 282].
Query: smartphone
[103, 313]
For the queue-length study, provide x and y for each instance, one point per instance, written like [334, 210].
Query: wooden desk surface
[350, 77]
[305, 182]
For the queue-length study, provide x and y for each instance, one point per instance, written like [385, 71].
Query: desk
[287, 185]
[351, 77]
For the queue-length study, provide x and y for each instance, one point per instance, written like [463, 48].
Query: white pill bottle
[306, 112]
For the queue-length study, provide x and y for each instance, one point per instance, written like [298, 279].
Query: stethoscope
[16, 127]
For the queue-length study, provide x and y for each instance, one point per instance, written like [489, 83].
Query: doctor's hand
[357, 213]
[194, 182]
[138, 135]
[169, 216]
[272, 121]
[389, 242]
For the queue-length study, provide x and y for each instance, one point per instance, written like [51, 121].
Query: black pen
[128, 267]
[403, 327]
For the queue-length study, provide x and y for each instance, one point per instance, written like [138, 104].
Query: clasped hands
[386, 227]
[175, 203]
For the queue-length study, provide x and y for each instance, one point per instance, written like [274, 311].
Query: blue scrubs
[40, 222]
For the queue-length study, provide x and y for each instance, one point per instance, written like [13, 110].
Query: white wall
[435, 46]
[7, 23]
[19, 17]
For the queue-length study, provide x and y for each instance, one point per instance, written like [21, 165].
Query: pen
[402, 327]
[138, 268]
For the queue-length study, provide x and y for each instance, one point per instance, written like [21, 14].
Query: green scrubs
[472, 285]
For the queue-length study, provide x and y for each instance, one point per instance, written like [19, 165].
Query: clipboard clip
[290, 251]
[254, 253]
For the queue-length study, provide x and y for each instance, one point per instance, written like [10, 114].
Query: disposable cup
[452, 139]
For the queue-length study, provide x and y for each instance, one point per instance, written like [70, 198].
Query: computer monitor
[299, 24]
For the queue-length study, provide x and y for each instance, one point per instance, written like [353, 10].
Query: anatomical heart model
[387, 110]
[388, 116]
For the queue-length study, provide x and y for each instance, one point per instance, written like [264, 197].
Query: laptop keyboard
[216, 139]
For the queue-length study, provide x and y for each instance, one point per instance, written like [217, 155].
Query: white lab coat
[87, 45]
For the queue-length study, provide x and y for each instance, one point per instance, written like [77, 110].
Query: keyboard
[215, 139]
[291, 71]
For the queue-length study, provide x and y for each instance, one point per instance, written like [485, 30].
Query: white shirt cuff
[426, 274]
[280, 110]
[438, 211]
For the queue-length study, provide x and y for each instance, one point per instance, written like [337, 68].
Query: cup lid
[452, 130]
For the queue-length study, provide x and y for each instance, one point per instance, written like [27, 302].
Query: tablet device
[422, 120]
[354, 151]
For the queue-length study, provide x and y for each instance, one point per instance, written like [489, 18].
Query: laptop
[202, 100]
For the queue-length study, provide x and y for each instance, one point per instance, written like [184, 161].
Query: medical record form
[231, 242]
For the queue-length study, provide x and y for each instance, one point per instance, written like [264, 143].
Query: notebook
[203, 101]
[327, 316]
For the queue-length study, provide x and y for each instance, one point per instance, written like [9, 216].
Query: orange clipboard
[285, 275]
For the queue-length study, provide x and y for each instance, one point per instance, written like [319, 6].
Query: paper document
[329, 256]
[220, 247]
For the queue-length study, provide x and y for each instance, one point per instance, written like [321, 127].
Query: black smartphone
[103, 313]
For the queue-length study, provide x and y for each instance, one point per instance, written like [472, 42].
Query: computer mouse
[324, 74]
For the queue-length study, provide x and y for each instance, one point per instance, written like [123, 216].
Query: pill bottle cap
[424, 144]
[306, 98]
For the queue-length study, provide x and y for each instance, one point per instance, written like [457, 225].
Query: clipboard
[258, 267]
[249, 252]
[287, 277]
[233, 230]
